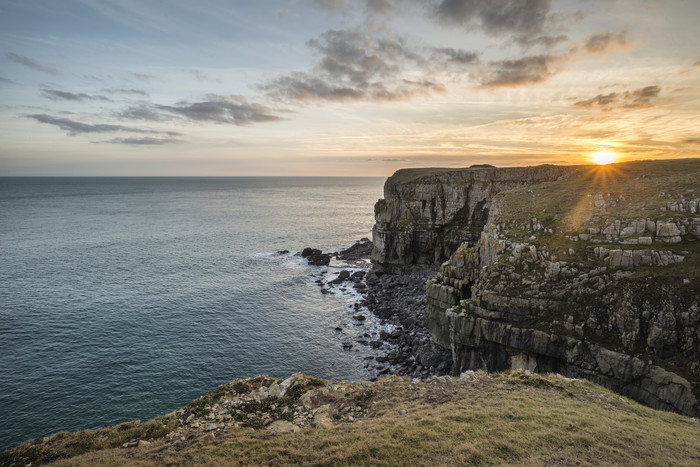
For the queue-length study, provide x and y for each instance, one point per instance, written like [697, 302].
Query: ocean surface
[126, 298]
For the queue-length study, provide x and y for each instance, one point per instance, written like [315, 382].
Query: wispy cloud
[332, 5]
[601, 42]
[134, 92]
[454, 56]
[146, 141]
[145, 112]
[144, 77]
[527, 70]
[5, 80]
[234, 110]
[379, 7]
[56, 95]
[628, 100]
[73, 127]
[28, 62]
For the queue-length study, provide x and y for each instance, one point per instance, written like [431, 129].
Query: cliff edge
[587, 271]
[426, 214]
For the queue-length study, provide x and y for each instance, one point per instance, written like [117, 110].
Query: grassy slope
[487, 419]
[637, 188]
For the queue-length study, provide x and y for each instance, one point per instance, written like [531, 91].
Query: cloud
[527, 70]
[600, 42]
[538, 68]
[629, 100]
[28, 62]
[354, 65]
[144, 77]
[146, 141]
[74, 128]
[524, 19]
[332, 5]
[5, 80]
[234, 110]
[457, 56]
[56, 95]
[692, 141]
[142, 112]
[135, 92]
[379, 7]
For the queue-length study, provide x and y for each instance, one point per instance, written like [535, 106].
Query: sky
[342, 87]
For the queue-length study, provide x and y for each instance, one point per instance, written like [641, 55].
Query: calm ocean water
[125, 298]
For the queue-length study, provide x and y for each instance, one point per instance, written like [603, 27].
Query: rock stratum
[586, 271]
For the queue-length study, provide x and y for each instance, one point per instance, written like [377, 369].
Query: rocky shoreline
[396, 299]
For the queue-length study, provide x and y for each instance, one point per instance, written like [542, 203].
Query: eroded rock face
[588, 304]
[426, 214]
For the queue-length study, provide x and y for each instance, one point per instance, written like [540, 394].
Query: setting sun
[604, 157]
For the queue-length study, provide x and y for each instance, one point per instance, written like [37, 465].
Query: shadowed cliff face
[593, 273]
[426, 214]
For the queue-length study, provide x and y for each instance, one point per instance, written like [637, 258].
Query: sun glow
[604, 157]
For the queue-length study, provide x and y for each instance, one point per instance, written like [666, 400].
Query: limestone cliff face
[426, 214]
[586, 278]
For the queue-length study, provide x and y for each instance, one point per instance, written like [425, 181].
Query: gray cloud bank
[56, 95]
[526, 20]
[28, 62]
[146, 141]
[628, 100]
[235, 110]
[356, 65]
[74, 128]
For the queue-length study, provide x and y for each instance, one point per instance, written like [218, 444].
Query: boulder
[316, 257]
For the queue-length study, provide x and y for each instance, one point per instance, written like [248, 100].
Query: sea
[126, 298]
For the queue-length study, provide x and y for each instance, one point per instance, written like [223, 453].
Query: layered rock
[426, 214]
[558, 281]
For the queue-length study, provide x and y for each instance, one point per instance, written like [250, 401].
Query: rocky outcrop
[316, 257]
[559, 282]
[426, 214]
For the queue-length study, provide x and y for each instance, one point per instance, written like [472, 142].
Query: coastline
[398, 301]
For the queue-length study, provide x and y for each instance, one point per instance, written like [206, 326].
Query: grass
[639, 189]
[407, 175]
[64, 445]
[512, 418]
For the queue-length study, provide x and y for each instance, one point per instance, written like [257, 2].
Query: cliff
[426, 214]
[593, 275]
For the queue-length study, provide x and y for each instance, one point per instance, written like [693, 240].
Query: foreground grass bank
[476, 419]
